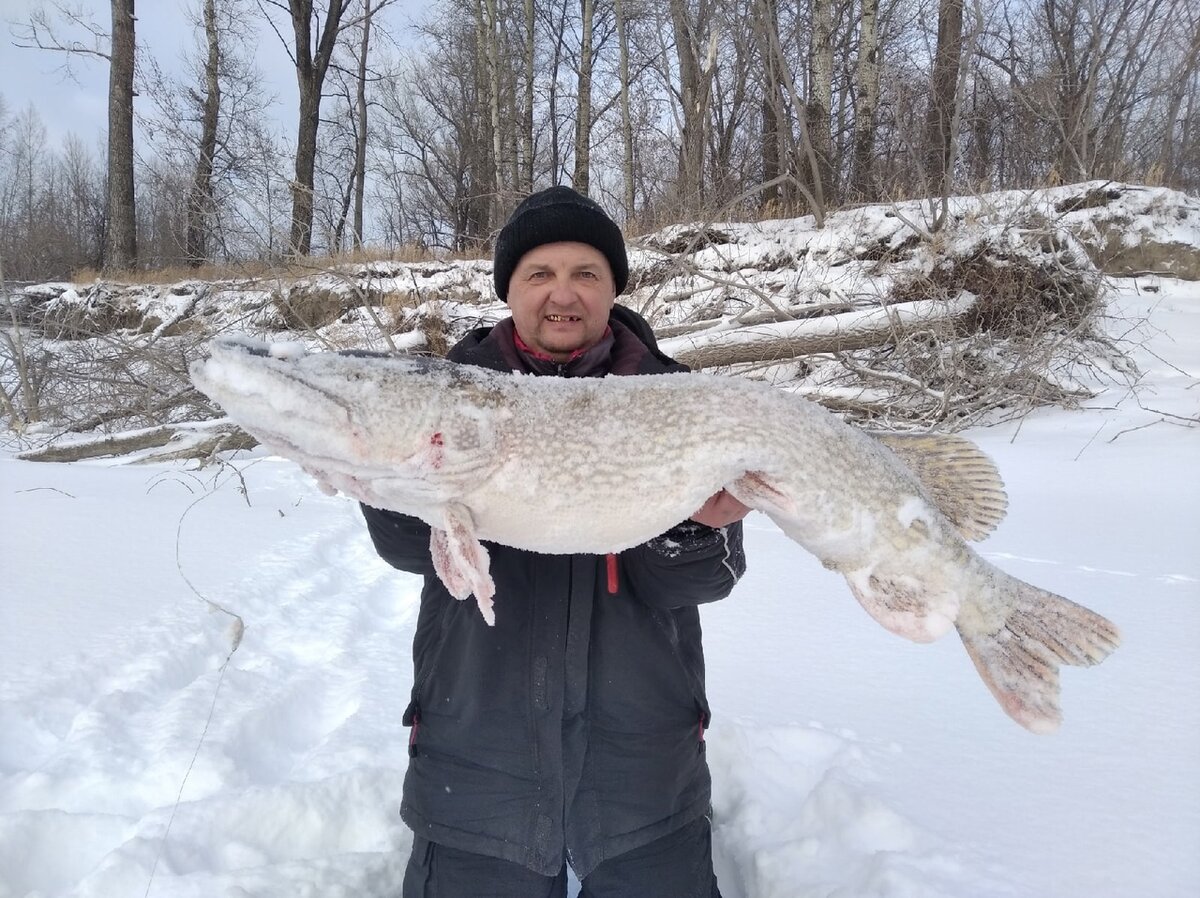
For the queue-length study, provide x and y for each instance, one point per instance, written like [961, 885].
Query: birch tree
[866, 99]
[820, 97]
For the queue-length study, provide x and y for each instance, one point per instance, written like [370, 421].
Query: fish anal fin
[1019, 641]
[462, 562]
[960, 479]
[904, 604]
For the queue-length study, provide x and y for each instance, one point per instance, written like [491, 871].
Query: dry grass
[259, 269]
[1016, 295]
[305, 307]
[1114, 256]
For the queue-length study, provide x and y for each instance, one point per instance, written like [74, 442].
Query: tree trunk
[939, 120]
[490, 176]
[583, 117]
[820, 96]
[695, 86]
[310, 77]
[803, 169]
[525, 184]
[766, 23]
[360, 137]
[866, 78]
[493, 57]
[120, 239]
[558, 35]
[201, 203]
[626, 118]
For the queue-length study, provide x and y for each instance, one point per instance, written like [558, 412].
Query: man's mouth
[560, 318]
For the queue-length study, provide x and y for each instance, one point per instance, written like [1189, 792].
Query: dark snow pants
[679, 865]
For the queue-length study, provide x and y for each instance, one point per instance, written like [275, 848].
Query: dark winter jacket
[576, 723]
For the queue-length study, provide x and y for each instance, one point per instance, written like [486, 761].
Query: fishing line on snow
[236, 632]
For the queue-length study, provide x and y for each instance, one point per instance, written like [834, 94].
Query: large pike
[599, 465]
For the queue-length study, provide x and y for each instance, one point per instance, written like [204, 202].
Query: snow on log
[833, 333]
[167, 442]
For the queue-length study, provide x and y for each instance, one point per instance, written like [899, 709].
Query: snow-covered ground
[846, 762]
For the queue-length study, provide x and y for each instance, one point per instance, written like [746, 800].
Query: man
[573, 730]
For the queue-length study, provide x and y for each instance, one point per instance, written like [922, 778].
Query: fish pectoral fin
[756, 490]
[1018, 645]
[904, 603]
[461, 561]
[960, 479]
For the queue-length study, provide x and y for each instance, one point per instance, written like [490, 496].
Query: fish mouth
[242, 370]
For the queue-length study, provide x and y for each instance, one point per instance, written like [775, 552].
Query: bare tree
[943, 92]
[434, 129]
[583, 106]
[695, 50]
[120, 244]
[627, 177]
[866, 101]
[1180, 125]
[201, 200]
[44, 31]
[772, 114]
[529, 56]
[820, 97]
[359, 175]
[311, 50]
[202, 135]
[802, 168]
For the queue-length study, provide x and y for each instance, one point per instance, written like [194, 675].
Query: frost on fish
[590, 465]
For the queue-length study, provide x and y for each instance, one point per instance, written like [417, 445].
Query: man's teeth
[561, 318]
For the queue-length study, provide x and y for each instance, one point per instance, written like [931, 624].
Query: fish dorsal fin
[960, 478]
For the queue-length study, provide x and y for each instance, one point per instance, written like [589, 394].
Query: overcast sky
[79, 104]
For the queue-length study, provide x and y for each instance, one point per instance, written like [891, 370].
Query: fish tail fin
[1018, 647]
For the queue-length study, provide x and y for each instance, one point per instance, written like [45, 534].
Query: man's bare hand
[720, 510]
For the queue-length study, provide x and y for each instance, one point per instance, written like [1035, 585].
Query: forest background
[418, 127]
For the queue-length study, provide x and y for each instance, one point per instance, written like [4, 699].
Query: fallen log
[192, 439]
[753, 318]
[860, 329]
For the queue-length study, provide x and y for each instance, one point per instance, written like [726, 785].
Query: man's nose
[562, 291]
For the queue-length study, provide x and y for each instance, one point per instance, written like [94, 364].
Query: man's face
[560, 295]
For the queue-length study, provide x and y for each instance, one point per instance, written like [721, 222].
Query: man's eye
[588, 274]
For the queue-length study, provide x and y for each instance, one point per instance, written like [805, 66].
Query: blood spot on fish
[437, 453]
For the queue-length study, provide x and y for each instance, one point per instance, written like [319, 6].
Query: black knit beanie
[553, 215]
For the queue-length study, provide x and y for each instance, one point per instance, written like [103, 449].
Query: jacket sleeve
[400, 540]
[690, 564]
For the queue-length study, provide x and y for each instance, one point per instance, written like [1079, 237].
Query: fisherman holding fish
[572, 731]
[568, 729]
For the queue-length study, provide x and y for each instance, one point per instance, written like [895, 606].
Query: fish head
[355, 414]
